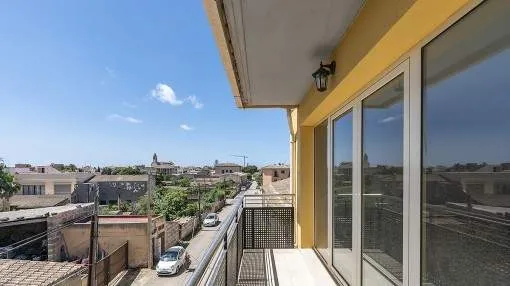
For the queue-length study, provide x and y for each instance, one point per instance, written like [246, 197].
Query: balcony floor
[282, 267]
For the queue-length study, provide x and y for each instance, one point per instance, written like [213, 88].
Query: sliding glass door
[341, 180]
[368, 185]
[383, 183]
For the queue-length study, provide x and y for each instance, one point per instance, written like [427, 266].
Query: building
[224, 168]
[273, 173]
[50, 183]
[419, 86]
[20, 202]
[113, 232]
[163, 168]
[236, 177]
[32, 273]
[27, 168]
[113, 189]
[18, 225]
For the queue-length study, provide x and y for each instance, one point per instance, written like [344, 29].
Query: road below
[196, 248]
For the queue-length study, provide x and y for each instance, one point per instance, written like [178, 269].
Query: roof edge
[216, 13]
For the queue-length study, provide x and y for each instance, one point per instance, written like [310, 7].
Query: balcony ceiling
[277, 45]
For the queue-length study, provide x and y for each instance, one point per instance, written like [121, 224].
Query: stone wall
[214, 207]
[56, 244]
[179, 229]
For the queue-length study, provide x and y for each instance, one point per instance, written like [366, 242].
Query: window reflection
[321, 188]
[343, 259]
[382, 231]
[466, 155]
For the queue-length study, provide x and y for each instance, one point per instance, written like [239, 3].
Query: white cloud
[116, 117]
[165, 94]
[128, 105]
[186, 127]
[110, 72]
[195, 102]
[389, 119]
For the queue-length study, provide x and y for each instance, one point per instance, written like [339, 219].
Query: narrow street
[196, 248]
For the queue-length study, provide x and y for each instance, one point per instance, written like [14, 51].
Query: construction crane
[244, 158]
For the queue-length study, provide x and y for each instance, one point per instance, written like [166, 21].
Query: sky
[111, 82]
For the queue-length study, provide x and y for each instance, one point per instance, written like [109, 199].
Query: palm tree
[7, 187]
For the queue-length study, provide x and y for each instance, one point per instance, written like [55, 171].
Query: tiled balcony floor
[283, 267]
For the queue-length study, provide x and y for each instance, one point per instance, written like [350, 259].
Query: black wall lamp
[321, 75]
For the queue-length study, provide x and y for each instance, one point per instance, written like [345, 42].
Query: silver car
[211, 219]
[172, 261]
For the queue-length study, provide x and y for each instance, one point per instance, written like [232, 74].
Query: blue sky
[112, 82]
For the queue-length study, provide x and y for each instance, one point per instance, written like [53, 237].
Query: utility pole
[244, 158]
[150, 186]
[93, 241]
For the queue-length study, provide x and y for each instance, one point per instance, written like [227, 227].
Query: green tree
[8, 186]
[258, 178]
[183, 182]
[250, 169]
[106, 171]
[174, 204]
[126, 171]
[140, 207]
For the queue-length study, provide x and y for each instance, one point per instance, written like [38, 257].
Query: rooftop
[34, 273]
[119, 178]
[278, 187]
[37, 213]
[37, 201]
[79, 177]
[276, 166]
[227, 165]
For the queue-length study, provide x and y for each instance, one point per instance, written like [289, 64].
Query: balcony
[256, 246]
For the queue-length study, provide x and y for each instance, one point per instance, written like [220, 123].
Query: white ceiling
[278, 44]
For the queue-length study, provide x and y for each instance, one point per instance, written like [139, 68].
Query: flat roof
[63, 177]
[119, 178]
[20, 215]
[37, 201]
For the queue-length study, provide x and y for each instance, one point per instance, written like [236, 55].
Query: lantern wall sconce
[321, 75]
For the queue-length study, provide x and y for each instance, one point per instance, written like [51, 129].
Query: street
[196, 248]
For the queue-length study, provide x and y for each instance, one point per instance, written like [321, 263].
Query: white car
[211, 220]
[172, 261]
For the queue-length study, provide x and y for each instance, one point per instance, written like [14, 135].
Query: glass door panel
[383, 184]
[343, 256]
[321, 189]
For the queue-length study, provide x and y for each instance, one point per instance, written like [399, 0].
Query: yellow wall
[383, 32]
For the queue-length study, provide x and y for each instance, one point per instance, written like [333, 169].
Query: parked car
[211, 220]
[243, 188]
[172, 261]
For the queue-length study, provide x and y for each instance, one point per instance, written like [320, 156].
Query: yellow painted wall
[304, 191]
[383, 32]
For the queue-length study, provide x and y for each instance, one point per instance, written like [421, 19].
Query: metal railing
[216, 266]
[274, 213]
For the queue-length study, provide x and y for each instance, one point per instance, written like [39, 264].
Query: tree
[258, 178]
[174, 204]
[126, 171]
[7, 185]
[106, 171]
[250, 169]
